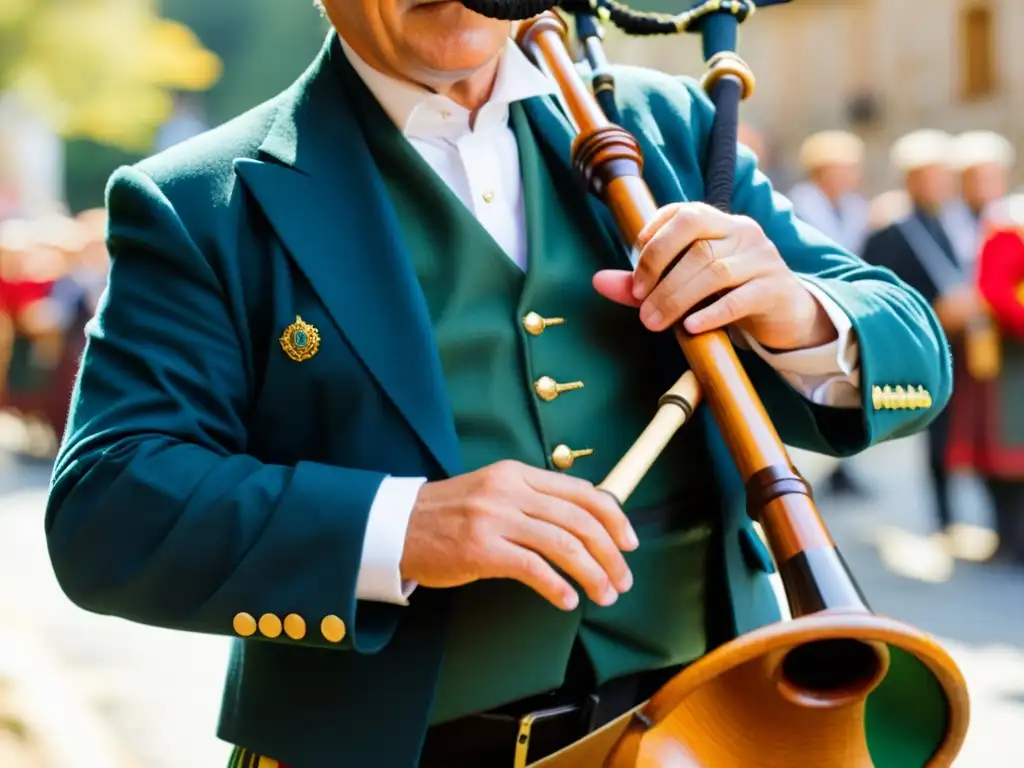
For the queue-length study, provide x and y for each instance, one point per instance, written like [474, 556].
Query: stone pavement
[978, 611]
[154, 695]
[147, 698]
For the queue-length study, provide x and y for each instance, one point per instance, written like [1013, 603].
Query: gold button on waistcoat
[294, 626]
[270, 625]
[333, 629]
[548, 389]
[488, 196]
[535, 324]
[244, 625]
[564, 457]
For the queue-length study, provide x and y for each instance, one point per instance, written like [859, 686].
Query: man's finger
[689, 224]
[565, 551]
[511, 561]
[749, 299]
[583, 494]
[583, 525]
[617, 285]
[689, 283]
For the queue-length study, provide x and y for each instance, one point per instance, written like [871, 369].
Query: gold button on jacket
[244, 625]
[294, 626]
[889, 398]
[270, 625]
[564, 457]
[333, 629]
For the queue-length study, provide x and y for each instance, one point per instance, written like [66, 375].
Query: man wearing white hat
[984, 160]
[828, 199]
[985, 435]
[919, 248]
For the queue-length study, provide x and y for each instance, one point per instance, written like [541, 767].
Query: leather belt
[512, 736]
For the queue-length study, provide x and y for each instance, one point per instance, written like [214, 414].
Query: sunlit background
[86, 85]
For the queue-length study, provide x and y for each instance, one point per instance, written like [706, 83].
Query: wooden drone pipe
[609, 160]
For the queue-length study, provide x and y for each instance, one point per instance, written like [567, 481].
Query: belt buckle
[526, 723]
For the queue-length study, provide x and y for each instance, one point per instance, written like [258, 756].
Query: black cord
[509, 9]
[643, 23]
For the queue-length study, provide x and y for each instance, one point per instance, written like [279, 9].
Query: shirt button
[488, 196]
[445, 115]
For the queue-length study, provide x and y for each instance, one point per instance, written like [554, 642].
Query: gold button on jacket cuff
[548, 389]
[535, 324]
[270, 625]
[294, 626]
[244, 625]
[564, 457]
[333, 629]
[897, 398]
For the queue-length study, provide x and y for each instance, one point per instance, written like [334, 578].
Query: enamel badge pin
[300, 340]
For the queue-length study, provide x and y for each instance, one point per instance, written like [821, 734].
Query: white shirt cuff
[380, 578]
[826, 375]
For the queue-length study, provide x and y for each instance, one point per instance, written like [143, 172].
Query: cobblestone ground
[150, 698]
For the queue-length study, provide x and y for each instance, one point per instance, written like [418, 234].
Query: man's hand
[512, 521]
[728, 257]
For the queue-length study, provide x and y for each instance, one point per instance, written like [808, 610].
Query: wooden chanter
[794, 694]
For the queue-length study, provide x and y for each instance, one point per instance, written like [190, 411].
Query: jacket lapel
[318, 187]
[557, 132]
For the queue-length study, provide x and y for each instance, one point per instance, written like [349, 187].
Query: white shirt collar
[421, 114]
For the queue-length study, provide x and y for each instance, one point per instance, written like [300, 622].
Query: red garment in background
[987, 417]
[1001, 279]
[16, 296]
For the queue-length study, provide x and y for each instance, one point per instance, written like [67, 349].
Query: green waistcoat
[504, 641]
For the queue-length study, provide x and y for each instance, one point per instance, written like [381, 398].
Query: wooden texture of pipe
[610, 161]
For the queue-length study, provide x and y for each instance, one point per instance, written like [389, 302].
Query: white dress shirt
[478, 158]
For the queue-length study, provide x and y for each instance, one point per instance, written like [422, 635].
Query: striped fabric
[243, 758]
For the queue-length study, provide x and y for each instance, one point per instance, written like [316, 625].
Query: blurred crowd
[52, 273]
[955, 233]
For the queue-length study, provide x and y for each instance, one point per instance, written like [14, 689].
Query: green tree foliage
[263, 44]
[100, 69]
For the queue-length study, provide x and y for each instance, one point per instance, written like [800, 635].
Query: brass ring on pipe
[725, 64]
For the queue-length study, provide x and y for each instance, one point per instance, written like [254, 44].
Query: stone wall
[813, 57]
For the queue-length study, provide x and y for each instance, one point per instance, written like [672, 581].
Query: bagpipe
[795, 693]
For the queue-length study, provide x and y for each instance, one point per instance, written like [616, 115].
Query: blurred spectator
[919, 248]
[37, 258]
[984, 160]
[985, 412]
[829, 200]
[888, 207]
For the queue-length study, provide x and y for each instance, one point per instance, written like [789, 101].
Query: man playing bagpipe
[366, 350]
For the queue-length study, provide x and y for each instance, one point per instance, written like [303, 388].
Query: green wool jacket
[207, 480]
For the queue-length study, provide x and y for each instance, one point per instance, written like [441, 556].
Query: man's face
[431, 42]
[839, 178]
[984, 184]
[931, 186]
